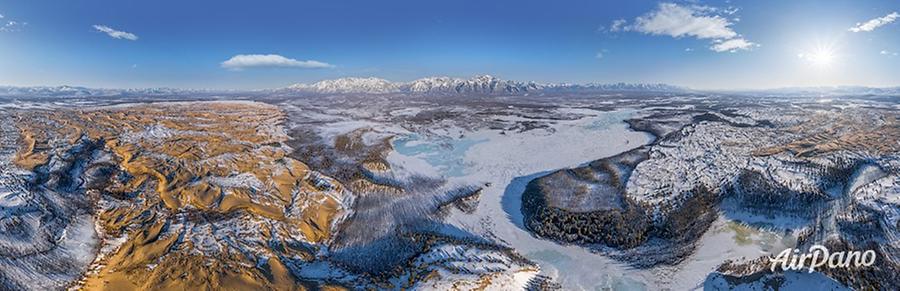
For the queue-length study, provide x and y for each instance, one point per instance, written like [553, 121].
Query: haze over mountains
[481, 85]
[441, 85]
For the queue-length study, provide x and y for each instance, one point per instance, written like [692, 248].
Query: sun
[820, 56]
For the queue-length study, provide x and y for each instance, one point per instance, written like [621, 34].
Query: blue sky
[264, 44]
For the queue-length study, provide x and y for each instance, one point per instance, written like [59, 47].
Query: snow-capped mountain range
[483, 84]
[347, 85]
[438, 86]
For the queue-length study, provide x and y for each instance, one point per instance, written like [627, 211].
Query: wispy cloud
[888, 53]
[701, 22]
[10, 25]
[732, 45]
[617, 25]
[117, 34]
[601, 54]
[240, 62]
[875, 23]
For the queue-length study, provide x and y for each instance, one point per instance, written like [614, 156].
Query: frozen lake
[445, 155]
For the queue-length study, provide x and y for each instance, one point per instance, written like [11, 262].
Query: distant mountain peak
[349, 85]
[435, 85]
[479, 84]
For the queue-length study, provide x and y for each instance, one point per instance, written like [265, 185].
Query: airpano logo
[818, 256]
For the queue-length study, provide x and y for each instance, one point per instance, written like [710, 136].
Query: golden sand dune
[188, 177]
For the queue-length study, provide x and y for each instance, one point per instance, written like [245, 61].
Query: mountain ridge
[479, 84]
[437, 86]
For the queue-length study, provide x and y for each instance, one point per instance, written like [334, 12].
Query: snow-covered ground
[504, 161]
[45, 242]
[509, 161]
[792, 281]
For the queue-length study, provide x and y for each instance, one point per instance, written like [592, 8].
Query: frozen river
[509, 161]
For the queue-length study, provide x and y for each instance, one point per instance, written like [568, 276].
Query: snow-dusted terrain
[47, 237]
[509, 147]
[434, 177]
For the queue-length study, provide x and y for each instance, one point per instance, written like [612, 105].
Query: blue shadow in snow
[512, 197]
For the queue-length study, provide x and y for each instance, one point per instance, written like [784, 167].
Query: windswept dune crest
[187, 194]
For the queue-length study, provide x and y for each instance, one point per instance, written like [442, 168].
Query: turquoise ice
[445, 155]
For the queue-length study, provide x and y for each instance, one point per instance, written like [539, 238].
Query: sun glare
[821, 56]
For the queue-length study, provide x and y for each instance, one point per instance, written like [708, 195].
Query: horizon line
[724, 90]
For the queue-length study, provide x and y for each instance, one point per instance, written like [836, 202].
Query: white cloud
[115, 33]
[677, 21]
[731, 10]
[888, 53]
[701, 22]
[599, 55]
[733, 45]
[875, 23]
[239, 62]
[617, 25]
